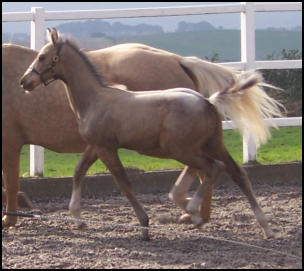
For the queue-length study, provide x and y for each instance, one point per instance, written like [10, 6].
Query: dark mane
[96, 74]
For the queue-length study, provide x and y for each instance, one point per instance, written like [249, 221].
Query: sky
[169, 24]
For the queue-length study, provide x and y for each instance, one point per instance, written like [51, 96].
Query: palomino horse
[137, 66]
[175, 123]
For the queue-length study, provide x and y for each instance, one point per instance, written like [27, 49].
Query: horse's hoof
[185, 219]
[269, 234]
[197, 221]
[8, 221]
[145, 235]
[82, 226]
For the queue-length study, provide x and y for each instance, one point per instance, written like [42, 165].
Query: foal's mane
[99, 77]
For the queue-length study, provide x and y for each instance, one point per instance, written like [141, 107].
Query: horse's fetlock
[184, 219]
[75, 209]
[145, 221]
[171, 196]
[197, 220]
[8, 221]
[192, 207]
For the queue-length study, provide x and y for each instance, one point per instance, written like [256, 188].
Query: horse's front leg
[111, 160]
[10, 169]
[88, 158]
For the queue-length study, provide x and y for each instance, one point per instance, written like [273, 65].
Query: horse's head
[44, 68]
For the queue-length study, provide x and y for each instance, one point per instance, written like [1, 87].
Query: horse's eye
[41, 57]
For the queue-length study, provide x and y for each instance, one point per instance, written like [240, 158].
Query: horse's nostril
[22, 80]
[24, 85]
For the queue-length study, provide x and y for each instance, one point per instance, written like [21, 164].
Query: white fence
[38, 16]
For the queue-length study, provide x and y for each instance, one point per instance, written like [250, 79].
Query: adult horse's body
[26, 119]
[175, 123]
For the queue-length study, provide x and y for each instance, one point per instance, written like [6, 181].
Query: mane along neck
[101, 80]
[84, 85]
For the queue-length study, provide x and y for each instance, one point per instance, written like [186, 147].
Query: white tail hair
[208, 77]
[246, 103]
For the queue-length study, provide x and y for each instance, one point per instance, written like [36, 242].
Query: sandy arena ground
[59, 244]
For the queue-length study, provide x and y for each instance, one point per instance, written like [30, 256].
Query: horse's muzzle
[27, 86]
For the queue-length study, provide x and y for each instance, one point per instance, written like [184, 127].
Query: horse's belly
[159, 153]
[147, 144]
[141, 145]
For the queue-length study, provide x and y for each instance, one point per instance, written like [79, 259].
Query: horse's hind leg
[111, 160]
[88, 158]
[239, 176]
[179, 191]
[178, 195]
[205, 209]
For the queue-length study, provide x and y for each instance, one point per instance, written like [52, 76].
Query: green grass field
[284, 146]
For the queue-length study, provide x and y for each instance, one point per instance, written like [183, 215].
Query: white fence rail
[38, 16]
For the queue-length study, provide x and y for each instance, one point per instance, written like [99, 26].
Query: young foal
[175, 123]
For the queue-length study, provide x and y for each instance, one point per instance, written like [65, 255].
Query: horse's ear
[48, 34]
[54, 36]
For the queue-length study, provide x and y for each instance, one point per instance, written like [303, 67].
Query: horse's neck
[82, 85]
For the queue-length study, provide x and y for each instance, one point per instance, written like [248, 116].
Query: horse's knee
[24, 201]
[175, 194]
[217, 168]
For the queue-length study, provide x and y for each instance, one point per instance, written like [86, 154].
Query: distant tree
[290, 80]
[186, 26]
[213, 58]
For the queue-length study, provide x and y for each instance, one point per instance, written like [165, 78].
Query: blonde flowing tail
[246, 103]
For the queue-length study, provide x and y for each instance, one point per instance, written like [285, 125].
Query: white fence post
[248, 57]
[37, 42]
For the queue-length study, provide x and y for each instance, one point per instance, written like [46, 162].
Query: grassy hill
[205, 43]
[199, 43]
[226, 43]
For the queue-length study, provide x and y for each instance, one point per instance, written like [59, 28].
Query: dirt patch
[59, 244]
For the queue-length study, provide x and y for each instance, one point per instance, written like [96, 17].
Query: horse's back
[179, 103]
[141, 67]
